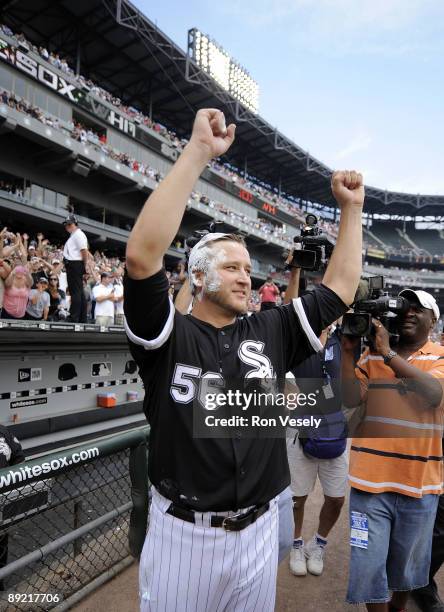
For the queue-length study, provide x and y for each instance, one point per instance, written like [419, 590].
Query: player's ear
[198, 279]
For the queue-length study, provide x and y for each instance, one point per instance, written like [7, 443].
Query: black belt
[236, 522]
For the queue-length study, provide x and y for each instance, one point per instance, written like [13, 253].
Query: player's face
[228, 282]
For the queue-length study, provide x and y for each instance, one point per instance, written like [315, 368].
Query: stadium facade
[264, 187]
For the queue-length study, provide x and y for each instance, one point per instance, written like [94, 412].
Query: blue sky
[359, 84]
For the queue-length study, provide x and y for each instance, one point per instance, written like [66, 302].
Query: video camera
[316, 248]
[371, 301]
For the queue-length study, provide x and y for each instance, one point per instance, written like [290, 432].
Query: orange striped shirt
[398, 446]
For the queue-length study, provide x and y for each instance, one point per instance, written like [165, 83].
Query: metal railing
[70, 520]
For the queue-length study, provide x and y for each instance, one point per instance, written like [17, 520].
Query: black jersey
[174, 351]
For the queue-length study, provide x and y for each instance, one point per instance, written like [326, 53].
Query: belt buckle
[225, 525]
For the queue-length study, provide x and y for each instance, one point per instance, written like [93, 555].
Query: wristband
[387, 358]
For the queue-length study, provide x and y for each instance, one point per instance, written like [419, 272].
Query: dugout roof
[125, 53]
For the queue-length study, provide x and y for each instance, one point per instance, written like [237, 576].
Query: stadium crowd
[33, 283]
[87, 135]
[31, 269]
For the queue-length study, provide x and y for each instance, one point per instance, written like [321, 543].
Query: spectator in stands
[118, 297]
[57, 300]
[17, 288]
[104, 296]
[268, 294]
[11, 453]
[39, 268]
[38, 301]
[396, 476]
[5, 270]
[75, 255]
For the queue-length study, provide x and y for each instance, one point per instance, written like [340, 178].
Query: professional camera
[315, 249]
[371, 301]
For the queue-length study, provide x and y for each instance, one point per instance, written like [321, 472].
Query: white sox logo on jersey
[251, 353]
[184, 389]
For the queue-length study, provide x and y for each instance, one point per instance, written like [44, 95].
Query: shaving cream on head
[203, 259]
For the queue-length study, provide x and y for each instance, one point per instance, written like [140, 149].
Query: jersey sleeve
[301, 322]
[321, 306]
[149, 311]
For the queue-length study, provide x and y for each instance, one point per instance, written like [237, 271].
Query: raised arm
[184, 298]
[162, 214]
[292, 290]
[345, 267]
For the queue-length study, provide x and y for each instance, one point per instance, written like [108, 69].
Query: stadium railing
[70, 519]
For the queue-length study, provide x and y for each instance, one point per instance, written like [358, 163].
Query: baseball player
[212, 541]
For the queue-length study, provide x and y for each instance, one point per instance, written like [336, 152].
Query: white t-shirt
[105, 308]
[74, 244]
[118, 292]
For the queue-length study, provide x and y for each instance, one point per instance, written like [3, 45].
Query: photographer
[396, 456]
[317, 457]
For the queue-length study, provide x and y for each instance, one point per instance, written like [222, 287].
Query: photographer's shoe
[314, 551]
[298, 564]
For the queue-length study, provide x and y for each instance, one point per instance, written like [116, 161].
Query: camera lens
[360, 324]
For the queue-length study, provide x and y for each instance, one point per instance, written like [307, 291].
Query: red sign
[269, 208]
[246, 196]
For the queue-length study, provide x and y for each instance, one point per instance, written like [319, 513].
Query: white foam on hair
[207, 260]
[212, 279]
[201, 255]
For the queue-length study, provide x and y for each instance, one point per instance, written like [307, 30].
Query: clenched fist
[348, 188]
[210, 135]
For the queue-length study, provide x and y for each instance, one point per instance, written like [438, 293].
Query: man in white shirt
[103, 293]
[118, 301]
[75, 255]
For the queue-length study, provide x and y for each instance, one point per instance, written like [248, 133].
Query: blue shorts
[395, 554]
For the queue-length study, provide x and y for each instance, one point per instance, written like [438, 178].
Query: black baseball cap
[70, 219]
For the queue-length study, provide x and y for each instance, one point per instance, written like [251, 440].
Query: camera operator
[318, 457]
[396, 462]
